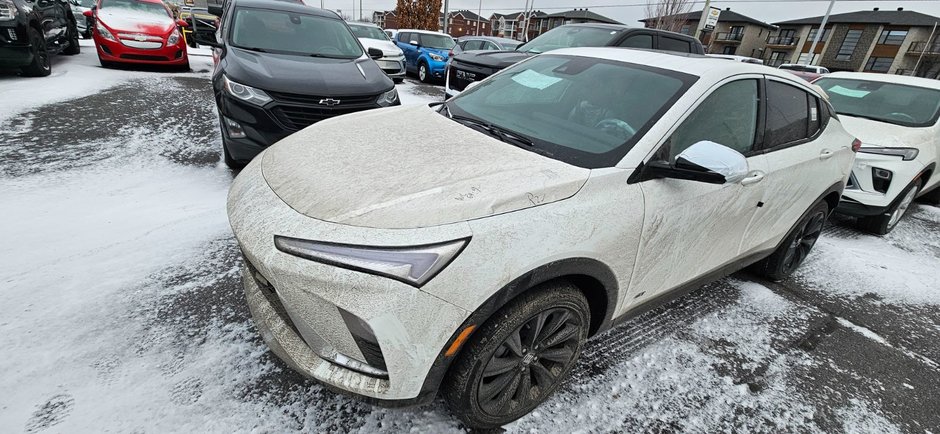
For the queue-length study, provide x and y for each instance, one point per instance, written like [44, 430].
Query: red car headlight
[103, 31]
[174, 37]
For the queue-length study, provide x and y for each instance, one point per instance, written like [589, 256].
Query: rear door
[692, 228]
[410, 51]
[804, 158]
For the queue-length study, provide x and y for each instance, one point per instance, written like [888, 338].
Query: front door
[691, 228]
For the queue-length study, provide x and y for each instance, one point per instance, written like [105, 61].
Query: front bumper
[862, 198]
[394, 67]
[302, 312]
[15, 49]
[111, 51]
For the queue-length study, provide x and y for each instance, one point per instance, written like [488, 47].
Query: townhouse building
[735, 33]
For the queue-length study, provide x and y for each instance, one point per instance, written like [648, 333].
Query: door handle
[753, 178]
[826, 154]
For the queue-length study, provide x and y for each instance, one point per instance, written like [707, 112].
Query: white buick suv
[476, 254]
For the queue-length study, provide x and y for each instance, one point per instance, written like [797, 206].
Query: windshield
[555, 102]
[897, 104]
[567, 37]
[292, 33]
[134, 5]
[442, 42]
[368, 32]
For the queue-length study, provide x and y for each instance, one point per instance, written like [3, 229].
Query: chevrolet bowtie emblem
[330, 102]
[141, 38]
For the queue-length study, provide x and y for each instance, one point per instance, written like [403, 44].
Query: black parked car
[468, 67]
[284, 66]
[31, 31]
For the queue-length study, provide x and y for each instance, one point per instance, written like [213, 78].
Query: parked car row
[32, 31]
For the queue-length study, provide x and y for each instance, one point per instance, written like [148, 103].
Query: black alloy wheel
[40, 67]
[519, 356]
[796, 246]
[74, 47]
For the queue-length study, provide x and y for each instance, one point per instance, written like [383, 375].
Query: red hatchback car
[139, 32]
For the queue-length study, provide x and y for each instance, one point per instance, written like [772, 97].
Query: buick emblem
[329, 102]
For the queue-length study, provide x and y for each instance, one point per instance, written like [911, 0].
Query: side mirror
[88, 13]
[704, 161]
[415, 43]
[182, 23]
[375, 53]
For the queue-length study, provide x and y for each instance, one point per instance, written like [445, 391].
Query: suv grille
[297, 111]
[462, 74]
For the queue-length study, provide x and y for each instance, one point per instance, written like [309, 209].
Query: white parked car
[526, 215]
[895, 117]
[372, 36]
[737, 58]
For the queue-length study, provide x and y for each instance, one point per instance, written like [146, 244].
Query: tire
[398, 80]
[883, 223]
[41, 65]
[933, 197]
[424, 74]
[227, 157]
[184, 67]
[489, 355]
[106, 63]
[796, 246]
[73, 48]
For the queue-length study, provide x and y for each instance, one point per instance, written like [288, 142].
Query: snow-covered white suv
[896, 118]
[526, 215]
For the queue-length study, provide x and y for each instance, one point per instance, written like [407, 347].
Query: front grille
[292, 98]
[144, 57]
[461, 75]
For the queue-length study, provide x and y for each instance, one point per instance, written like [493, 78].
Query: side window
[462, 45]
[638, 41]
[815, 115]
[490, 46]
[472, 45]
[728, 117]
[672, 44]
[405, 37]
[787, 114]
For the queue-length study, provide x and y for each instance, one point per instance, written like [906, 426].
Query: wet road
[137, 322]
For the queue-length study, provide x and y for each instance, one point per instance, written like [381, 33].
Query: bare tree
[667, 14]
[418, 14]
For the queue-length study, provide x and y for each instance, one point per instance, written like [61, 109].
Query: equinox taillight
[856, 145]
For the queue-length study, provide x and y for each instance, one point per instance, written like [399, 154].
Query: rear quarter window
[667, 43]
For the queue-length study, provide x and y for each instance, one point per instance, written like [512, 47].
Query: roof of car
[289, 6]
[360, 23]
[709, 68]
[425, 32]
[489, 38]
[888, 78]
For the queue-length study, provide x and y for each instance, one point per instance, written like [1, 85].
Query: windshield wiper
[260, 50]
[495, 131]
[327, 56]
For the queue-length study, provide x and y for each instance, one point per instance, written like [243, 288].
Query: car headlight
[173, 38]
[436, 57]
[412, 265]
[388, 98]
[906, 154]
[8, 10]
[104, 32]
[245, 93]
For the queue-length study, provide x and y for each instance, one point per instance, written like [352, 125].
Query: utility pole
[446, 13]
[528, 17]
[700, 29]
[819, 33]
[479, 17]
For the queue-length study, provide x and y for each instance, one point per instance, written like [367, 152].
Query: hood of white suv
[883, 134]
[409, 167]
[387, 47]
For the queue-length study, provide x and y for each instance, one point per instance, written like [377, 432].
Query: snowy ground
[122, 310]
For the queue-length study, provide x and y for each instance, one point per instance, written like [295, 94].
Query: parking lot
[122, 309]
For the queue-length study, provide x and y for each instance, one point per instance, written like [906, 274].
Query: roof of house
[898, 17]
[514, 15]
[727, 16]
[583, 14]
[468, 15]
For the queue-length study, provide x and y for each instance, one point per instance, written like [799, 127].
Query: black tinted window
[787, 114]
[638, 41]
[815, 115]
[405, 37]
[728, 117]
[672, 44]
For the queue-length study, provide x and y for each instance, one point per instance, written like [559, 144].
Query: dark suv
[283, 66]
[30, 31]
[468, 67]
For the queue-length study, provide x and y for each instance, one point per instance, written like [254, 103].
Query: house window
[814, 31]
[686, 29]
[730, 49]
[892, 37]
[879, 64]
[805, 57]
[737, 32]
[848, 45]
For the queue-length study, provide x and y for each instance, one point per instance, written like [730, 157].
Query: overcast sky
[764, 10]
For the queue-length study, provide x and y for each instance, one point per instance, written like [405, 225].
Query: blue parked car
[426, 52]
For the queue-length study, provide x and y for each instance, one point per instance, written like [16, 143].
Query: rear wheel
[796, 246]
[883, 223]
[40, 67]
[518, 357]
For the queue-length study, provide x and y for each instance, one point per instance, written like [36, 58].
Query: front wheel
[40, 67]
[796, 246]
[423, 73]
[517, 359]
[883, 223]
[73, 48]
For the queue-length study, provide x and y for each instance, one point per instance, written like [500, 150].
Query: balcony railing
[786, 41]
[922, 47]
[729, 37]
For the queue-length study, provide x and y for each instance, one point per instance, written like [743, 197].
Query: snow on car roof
[888, 78]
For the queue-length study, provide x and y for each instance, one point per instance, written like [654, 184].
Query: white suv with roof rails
[475, 255]
[896, 118]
